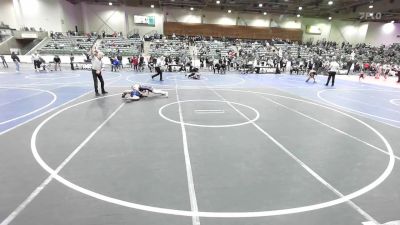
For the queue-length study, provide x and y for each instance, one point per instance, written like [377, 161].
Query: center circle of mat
[342, 199]
[161, 110]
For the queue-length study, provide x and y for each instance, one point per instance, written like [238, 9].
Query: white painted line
[385, 174]
[37, 191]
[161, 110]
[52, 76]
[34, 111]
[44, 113]
[209, 111]
[367, 104]
[329, 126]
[192, 192]
[20, 98]
[369, 223]
[131, 79]
[50, 110]
[395, 101]
[357, 111]
[302, 164]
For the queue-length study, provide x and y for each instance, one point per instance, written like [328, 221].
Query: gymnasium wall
[231, 31]
[60, 15]
[234, 18]
[383, 33]
[7, 13]
[71, 16]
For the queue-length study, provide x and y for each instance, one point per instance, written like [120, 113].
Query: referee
[158, 69]
[97, 66]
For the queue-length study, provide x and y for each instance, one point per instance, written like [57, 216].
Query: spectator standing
[16, 60]
[57, 62]
[71, 58]
[36, 61]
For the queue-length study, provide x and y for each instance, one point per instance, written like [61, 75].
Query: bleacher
[168, 48]
[63, 45]
[126, 47]
[214, 49]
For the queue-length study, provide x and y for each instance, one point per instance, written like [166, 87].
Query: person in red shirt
[366, 68]
[135, 63]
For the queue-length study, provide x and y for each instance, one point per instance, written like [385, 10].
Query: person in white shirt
[333, 69]
[36, 61]
[97, 67]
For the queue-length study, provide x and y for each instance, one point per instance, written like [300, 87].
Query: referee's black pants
[159, 73]
[100, 77]
[331, 74]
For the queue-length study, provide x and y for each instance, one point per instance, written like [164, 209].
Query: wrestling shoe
[104, 92]
[123, 95]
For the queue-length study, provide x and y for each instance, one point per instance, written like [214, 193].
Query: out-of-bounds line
[44, 113]
[50, 110]
[192, 192]
[357, 111]
[367, 104]
[37, 190]
[329, 126]
[20, 98]
[302, 164]
[393, 102]
[34, 111]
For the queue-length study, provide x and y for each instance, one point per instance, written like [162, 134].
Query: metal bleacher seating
[214, 49]
[64, 45]
[125, 46]
[168, 48]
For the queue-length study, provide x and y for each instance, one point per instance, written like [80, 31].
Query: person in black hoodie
[71, 58]
[16, 60]
[57, 62]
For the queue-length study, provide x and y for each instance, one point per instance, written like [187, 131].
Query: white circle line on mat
[178, 212]
[160, 112]
[34, 111]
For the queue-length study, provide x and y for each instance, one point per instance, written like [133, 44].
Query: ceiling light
[371, 6]
[392, 21]
[371, 14]
[152, 6]
[298, 15]
[329, 18]
[265, 13]
[218, 2]
[229, 11]
[110, 3]
[191, 8]
[300, 8]
[330, 2]
[260, 5]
